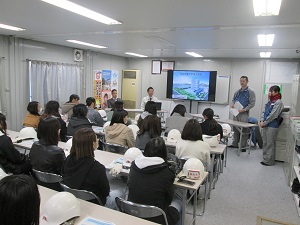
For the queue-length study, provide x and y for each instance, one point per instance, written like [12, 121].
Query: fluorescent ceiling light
[193, 54]
[10, 27]
[70, 6]
[266, 7]
[87, 44]
[265, 54]
[134, 54]
[265, 39]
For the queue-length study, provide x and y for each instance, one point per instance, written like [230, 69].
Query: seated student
[150, 128]
[80, 170]
[44, 154]
[33, 117]
[114, 98]
[52, 109]
[177, 120]
[210, 126]
[19, 201]
[117, 132]
[150, 109]
[191, 144]
[11, 160]
[151, 181]
[118, 105]
[67, 108]
[78, 119]
[93, 115]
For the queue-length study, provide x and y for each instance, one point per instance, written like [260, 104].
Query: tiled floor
[245, 190]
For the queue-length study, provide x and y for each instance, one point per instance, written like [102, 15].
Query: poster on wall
[97, 86]
[114, 79]
[106, 80]
[267, 88]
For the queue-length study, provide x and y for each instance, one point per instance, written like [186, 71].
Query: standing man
[149, 97]
[111, 102]
[246, 97]
[269, 123]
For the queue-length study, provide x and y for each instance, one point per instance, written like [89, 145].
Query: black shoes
[264, 164]
[243, 150]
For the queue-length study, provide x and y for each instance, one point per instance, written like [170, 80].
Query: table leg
[195, 206]
[184, 193]
[250, 139]
[211, 175]
[240, 141]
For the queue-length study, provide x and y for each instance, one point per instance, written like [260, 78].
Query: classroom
[162, 52]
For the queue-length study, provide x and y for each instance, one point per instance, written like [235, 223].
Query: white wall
[16, 51]
[253, 68]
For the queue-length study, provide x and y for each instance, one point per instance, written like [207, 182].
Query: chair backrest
[82, 194]
[47, 177]
[134, 129]
[139, 210]
[115, 148]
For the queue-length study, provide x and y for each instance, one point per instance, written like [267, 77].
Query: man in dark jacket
[150, 181]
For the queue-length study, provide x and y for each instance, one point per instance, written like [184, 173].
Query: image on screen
[193, 85]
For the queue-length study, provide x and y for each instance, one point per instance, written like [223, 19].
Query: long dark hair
[19, 200]
[156, 147]
[52, 107]
[48, 130]
[32, 108]
[212, 123]
[152, 125]
[180, 109]
[118, 117]
[73, 96]
[3, 125]
[83, 143]
[192, 131]
[150, 107]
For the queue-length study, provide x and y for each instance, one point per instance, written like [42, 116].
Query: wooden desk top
[96, 211]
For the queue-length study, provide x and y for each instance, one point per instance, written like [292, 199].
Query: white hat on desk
[28, 132]
[60, 208]
[173, 136]
[193, 169]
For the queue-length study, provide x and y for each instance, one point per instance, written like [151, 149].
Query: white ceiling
[160, 28]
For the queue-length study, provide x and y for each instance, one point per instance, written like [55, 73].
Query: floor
[245, 190]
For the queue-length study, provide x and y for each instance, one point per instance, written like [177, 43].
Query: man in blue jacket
[269, 123]
[246, 97]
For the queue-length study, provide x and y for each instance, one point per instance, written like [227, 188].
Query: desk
[96, 211]
[240, 126]
[106, 158]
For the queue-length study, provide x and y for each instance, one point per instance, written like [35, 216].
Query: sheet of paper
[118, 160]
[93, 221]
[237, 106]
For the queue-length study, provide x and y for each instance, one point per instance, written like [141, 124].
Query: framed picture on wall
[167, 65]
[156, 67]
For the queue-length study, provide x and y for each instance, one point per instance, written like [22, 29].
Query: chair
[138, 210]
[82, 194]
[134, 129]
[115, 148]
[47, 177]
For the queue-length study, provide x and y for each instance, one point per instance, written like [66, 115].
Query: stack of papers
[92, 221]
[235, 111]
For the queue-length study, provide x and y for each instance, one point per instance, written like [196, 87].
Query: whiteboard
[222, 89]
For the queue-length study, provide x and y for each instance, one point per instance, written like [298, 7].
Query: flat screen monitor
[192, 85]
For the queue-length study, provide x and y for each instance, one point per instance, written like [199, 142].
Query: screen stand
[191, 102]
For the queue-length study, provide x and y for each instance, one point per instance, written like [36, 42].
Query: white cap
[193, 169]
[60, 208]
[226, 129]
[134, 129]
[28, 132]
[211, 140]
[174, 135]
[130, 155]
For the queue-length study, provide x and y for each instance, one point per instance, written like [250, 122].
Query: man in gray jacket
[93, 115]
[246, 97]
